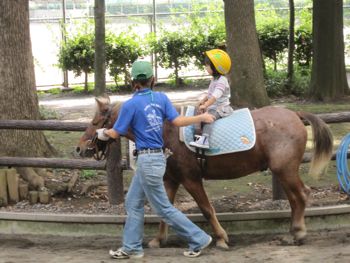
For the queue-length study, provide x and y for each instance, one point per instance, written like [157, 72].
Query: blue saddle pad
[234, 133]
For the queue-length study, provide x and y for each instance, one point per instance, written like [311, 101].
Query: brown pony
[280, 144]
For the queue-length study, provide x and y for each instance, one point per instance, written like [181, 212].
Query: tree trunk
[100, 48]
[18, 98]
[127, 77]
[177, 80]
[328, 76]
[246, 76]
[291, 45]
[86, 88]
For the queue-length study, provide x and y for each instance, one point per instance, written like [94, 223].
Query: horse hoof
[220, 243]
[299, 237]
[154, 243]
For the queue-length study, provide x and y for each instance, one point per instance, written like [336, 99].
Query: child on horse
[217, 101]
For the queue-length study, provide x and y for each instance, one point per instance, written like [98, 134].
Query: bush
[347, 46]
[172, 49]
[77, 55]
[207, 31]
[121, 52]
[303, 38]
[276, 83]
[273, 35]
[272, 32]
[273, 41]
[303, 47]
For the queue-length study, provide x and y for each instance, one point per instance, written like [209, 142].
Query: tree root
[28, 174]
[90, 185]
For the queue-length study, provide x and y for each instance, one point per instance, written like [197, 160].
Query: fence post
[277, 189]
[115, 173]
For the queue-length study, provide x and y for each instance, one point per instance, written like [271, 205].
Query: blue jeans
[148, 183]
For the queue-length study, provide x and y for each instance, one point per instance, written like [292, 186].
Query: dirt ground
[324, 246]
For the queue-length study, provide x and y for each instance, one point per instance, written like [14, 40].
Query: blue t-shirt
[145, 113]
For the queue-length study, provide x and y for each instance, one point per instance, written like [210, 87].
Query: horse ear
[103, 101]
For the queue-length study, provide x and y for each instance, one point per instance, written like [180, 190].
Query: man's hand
[101, 135]
[207, 118]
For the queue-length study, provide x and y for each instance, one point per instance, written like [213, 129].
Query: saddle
[234, 133]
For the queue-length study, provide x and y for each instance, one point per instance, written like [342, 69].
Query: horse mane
[115, 106]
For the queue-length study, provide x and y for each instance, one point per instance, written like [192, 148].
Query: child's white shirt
[220, 89]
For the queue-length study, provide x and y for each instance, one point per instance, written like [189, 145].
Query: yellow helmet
[220, 59]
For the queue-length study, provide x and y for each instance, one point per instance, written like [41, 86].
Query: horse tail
[322, 143]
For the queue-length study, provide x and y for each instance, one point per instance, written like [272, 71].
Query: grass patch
[319, 107]
[88, 174]
[48, 114]
[63, 141]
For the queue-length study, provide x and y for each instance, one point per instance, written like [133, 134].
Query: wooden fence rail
[113, 164]
[43, 125]
[52, 163]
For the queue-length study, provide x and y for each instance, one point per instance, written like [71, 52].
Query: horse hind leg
[298, 195]
[171, 189]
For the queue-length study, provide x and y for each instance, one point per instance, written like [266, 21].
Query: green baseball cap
[141, 70]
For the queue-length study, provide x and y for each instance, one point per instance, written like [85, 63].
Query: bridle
[100, 148]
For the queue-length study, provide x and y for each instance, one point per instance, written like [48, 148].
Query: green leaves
[77, 54]
[172, 49]
[121, 51]
[197, 32]
[273, 34]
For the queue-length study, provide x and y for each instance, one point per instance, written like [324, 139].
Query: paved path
[82, 101]
[82, 108]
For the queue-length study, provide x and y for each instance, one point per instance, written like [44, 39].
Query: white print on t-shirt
[155, 122]
[152, 105]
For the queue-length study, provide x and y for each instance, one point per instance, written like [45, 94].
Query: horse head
[105, 116]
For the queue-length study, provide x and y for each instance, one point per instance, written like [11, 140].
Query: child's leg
[207, 128]
[203, 141]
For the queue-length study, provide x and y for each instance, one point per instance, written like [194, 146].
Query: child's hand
[202, 108]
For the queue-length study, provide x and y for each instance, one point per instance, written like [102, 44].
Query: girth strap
[202, 160]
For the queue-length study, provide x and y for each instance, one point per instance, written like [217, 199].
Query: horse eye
[95, 121]
[104, 112]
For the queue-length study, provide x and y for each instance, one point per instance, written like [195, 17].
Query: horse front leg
[171, 189]
[196, 190]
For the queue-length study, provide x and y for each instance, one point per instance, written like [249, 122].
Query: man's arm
[188, 120]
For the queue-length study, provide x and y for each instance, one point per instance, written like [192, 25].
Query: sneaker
[121, 254]
[197, 253]
[201, 142]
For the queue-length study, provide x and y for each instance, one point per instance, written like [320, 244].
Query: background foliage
[194, 33]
